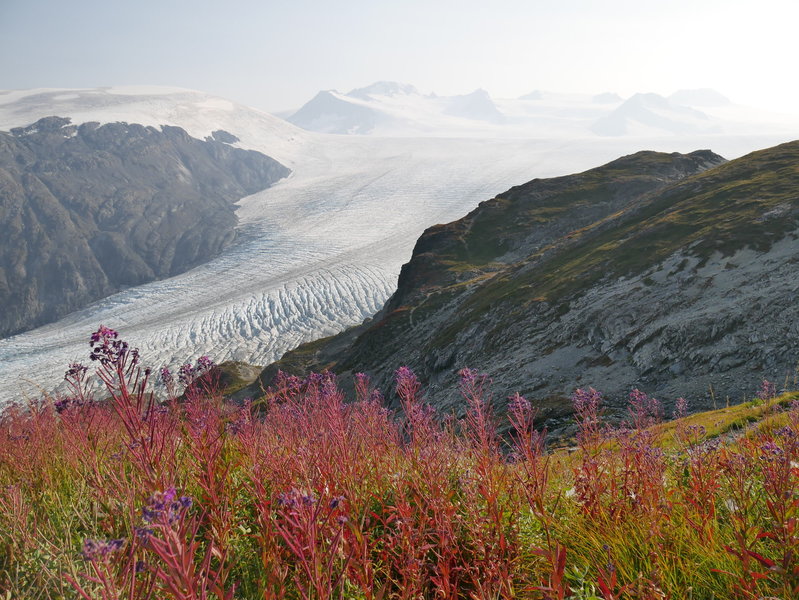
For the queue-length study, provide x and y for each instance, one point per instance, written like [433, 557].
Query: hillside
[330, 495]
[90, 209]
[672, 273]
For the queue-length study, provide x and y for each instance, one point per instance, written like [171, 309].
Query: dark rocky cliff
[88, 210]
[673, 273]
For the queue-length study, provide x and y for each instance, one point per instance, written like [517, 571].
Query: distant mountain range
[390, 108]
[674, 273]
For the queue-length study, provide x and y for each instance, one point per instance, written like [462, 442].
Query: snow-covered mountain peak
[383, 88]
[200, 114]
[478, 106]
[652, 114]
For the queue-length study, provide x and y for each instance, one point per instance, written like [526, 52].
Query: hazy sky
[276, 55]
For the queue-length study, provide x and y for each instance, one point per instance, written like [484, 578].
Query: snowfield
[319, 251]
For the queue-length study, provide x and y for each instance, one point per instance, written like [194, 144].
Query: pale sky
[276, 55]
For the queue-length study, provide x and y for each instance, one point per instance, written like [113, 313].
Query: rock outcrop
[87, 210]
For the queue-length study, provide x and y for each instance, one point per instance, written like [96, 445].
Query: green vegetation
[747, 203]
[319, 498]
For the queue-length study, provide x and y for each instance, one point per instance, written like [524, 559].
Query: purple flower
[204, 364]
[109, 350]
[407, 384]
[166, 376]
[361, 385]
[286, 386]
[76, 370]
[62, 404]
[100, 550]
[103, 334]
[294, 498]
[186, 374]
[518, 405]
[165, 507]
[645, 411]
[770, 450]
[467, 375]
[586, 401]
[680, 408]
[767, 390]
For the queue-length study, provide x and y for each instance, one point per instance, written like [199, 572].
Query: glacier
[317, 252]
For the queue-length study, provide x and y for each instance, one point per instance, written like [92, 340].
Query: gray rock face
[88, 210]
[676, 274]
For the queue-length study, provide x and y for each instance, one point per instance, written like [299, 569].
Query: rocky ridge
[676, 274]
[90, 209]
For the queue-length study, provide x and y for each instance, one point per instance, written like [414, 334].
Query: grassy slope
[346, 500]
[751, 201]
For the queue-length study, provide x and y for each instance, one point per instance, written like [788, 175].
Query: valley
[317, 252]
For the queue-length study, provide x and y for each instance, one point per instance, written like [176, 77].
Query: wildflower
[295, 498]
[767, 390]
[166, 377]
[286, 386]
[467, 375]
[329, 389]
[586, 401]
[62, 404]
[680, 408]
[570, 493]
[361, 385]
[204, 364]
[376, 396]
[76, 370]
[108, 349]
[165, 507]
[645, 411]
[100, 550]
[770, 451]
[186, 374]
[518, 405]
[407, 384]
[103, 334]
[697, 430]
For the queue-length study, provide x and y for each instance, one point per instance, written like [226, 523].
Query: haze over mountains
[321, 250]
[390, 108]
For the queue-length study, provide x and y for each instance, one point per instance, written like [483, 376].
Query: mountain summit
[652, 114]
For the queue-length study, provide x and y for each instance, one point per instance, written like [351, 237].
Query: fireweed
[172, 492]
